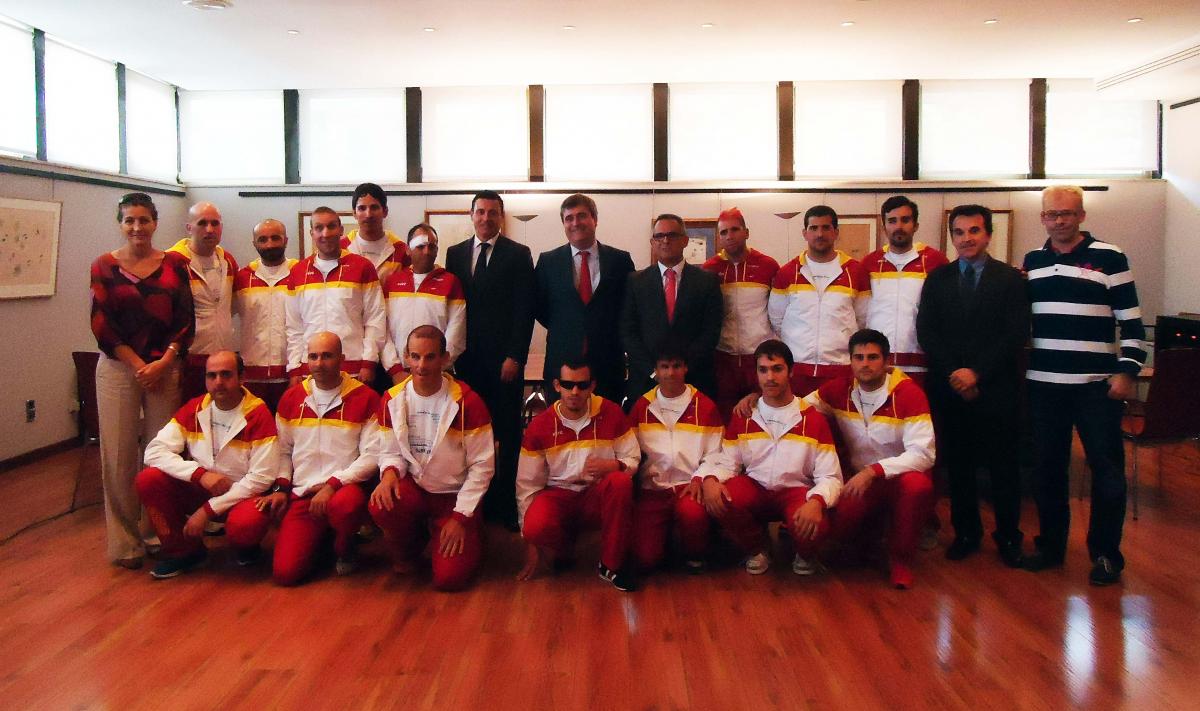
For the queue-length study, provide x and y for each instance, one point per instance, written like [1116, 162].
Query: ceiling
[359, 44]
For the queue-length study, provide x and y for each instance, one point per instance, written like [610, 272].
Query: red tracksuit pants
[418, 517]
[556, 516]
[804, 381]
[737, 377]
[300, 533]
[170, 501]
[753, 506]
[653, 513]
[907, 497]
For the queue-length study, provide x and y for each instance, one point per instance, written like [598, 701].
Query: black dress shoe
[1040, 560]
[961, 548]
[1104, 572]
[1010, 553]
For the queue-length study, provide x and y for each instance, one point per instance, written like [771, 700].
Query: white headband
[418, 240]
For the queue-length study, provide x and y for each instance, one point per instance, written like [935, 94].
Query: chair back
[1171, 407]
[85, 382]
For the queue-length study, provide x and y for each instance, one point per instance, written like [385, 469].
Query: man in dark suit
[580, 287]
[497, 276]
[973, 323]
[671, 298]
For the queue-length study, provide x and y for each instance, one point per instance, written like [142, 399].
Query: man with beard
[260, 300]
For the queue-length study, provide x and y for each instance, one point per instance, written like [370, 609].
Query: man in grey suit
[671, 298]
[580, 287]
[497, 276]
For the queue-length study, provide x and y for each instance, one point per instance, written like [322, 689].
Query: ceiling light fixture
[707, 26]
[209, 4]
[1134, 20]
[848, 23]
[992, 21]
[429, 29]
[293, 32]
[568, 27]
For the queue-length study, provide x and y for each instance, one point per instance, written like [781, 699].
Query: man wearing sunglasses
[576, 470]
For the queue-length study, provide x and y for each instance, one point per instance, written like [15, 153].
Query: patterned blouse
[147, 314]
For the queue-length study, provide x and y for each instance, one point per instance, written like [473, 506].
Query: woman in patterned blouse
[143, 322]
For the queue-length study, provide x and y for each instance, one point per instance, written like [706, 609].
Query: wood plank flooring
[78, 633]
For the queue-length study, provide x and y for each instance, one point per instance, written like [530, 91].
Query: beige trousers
[129, 418]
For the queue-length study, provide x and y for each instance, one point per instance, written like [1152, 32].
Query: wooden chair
[1169, 413]
[85, 383]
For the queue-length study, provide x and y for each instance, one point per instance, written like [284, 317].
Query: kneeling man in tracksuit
[328, 431]
[777, 464]
[437, 456]
[884, 422]
[213, 458]
[679, 431]
[576, 470]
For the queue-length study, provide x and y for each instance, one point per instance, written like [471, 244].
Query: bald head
[325, 359]
[270, 241]
[204, 228]
[325, 340]
[223, 379]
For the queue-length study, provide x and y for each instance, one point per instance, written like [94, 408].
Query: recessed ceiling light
[293, 32]
[568, 27]
[429, 29]
[209, 4]
[848, 23]
[1134, 20]
[706, 26]
[992, 21]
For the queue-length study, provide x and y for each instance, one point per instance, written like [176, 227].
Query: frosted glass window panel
[975, 128]
[150, 127]
[475, 133]
[849, 129]
[1086, 134]
[231, 137]
[17, 123]
[603, 133]
[81, 109]
[351, 136]
[724, 132]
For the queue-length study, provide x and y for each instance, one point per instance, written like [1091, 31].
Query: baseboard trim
[39, 453]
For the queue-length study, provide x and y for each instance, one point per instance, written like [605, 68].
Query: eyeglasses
[664, 236]
[570, 385]
[1051, 215]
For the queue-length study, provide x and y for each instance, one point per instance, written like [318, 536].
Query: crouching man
[213, 458]
[437, 456]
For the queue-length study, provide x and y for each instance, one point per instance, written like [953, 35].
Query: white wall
[38, 334]
[1181, 168]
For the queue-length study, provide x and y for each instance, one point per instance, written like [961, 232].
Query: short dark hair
[136, 200]
[579, 200]
[417, 228]
[669, 349]
[774, 348]
[325, 209]
[427, 331]
[894, 202]
[368, 189]
[820, 211]
[970, 211]
[868, 336]
[670, 216]
[575, 362]
[487, 195]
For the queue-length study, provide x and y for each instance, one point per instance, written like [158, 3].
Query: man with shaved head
[259, 299]
[328, 425]
[211, 270]
[215, 459]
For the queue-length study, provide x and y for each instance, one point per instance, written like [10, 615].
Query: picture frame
[348, 223]
[29, 233]
[858, 235]
[1001, 245]
[452, 226]
[702, 239]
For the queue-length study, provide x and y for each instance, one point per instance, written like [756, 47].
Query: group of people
[366, 383]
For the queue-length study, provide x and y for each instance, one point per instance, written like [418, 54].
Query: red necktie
[669, 293]
[585, 278]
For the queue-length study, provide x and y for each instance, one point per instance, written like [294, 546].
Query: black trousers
[503, 402]
[1055, 410]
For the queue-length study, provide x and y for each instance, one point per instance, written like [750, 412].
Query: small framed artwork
[28, 247]
[452, 226]
[858, 235]
[1001, 245]
[348, 223]
[702, 240]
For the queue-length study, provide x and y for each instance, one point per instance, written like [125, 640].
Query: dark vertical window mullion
[911, 117]
[785, 100]
[122, 126]
[412, 120]
[178, 140]
[537, 133]
[39, 91]
[662, 107]
[291, 136]
[1037, 129]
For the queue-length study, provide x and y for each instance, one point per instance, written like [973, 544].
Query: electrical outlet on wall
[30, 410]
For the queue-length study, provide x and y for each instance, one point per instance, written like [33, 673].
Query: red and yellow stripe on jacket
[897, 438]
[250, 458]
[387, 261]
[214, 315]
[895, 294]
[439, 302]
[339, 447]
[347, 302]
[745, 289]
[817, 326]
[463, 458]
[552, 454]
[803, 456]
[673, 454]
[262, 308]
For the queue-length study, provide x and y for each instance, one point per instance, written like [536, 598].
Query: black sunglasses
[572, 384]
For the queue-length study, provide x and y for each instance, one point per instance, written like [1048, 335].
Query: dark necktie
[481, 263]
[968, 281]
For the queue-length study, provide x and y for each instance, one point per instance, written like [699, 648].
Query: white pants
[129, 418]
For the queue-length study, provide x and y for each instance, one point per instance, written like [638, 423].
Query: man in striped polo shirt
[1081, 291]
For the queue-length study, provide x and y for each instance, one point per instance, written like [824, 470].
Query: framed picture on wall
[858, 235]
[453, 226]
[1001, 245]
[28, 247]
[702, 240]
[348, 223]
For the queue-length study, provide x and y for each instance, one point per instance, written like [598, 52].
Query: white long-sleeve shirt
[336, 447]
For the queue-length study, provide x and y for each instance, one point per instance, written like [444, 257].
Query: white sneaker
[803, 566]
[758, 563]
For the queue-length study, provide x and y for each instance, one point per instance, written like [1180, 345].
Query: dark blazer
[697, 325]
[569, 322]
[499, 307]
[987, 334]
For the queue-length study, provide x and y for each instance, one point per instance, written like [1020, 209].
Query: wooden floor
[78, 633]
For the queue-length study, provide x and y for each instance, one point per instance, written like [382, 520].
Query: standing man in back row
[260, 300]
[497, 275]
